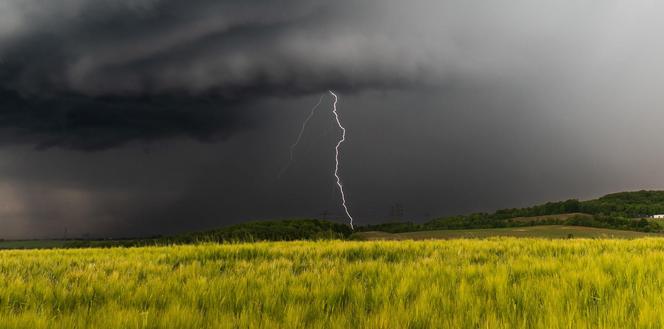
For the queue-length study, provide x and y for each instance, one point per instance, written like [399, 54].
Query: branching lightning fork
[299, 136]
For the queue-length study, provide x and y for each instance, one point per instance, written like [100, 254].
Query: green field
[542, 231]
[32, 244]
[460, 283]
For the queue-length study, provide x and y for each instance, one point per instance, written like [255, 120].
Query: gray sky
[160, 116]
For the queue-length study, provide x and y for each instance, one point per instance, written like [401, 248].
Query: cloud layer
[124, 67]
[133, 70]
[452, 106]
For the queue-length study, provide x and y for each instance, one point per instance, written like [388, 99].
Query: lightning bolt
[299, 136]
[336, 149]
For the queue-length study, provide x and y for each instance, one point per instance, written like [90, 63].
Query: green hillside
[627, 204]
[623, 211]
[276, 230]
[279, 230]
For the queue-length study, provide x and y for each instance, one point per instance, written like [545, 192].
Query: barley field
[491, 283]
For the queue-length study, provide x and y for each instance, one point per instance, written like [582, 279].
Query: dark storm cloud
[451, 106]
[95, 123]
[96, 74]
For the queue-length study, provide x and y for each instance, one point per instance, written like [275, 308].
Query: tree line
[625, 211]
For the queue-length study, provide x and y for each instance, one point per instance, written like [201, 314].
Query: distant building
[658, 216]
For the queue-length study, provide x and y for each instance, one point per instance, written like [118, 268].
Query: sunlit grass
[496, 283]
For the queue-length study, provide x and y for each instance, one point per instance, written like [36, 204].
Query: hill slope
[624, 211]
[621, 211]
[541, 231]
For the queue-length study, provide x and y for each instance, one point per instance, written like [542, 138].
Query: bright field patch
[496, 283]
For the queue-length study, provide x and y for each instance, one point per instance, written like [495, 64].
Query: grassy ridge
[622, 211]
[277, 230]
[32, 244]
[538, 231]
[542, 231]
[497, 283]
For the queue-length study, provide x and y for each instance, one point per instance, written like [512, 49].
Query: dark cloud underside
[142, 70]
